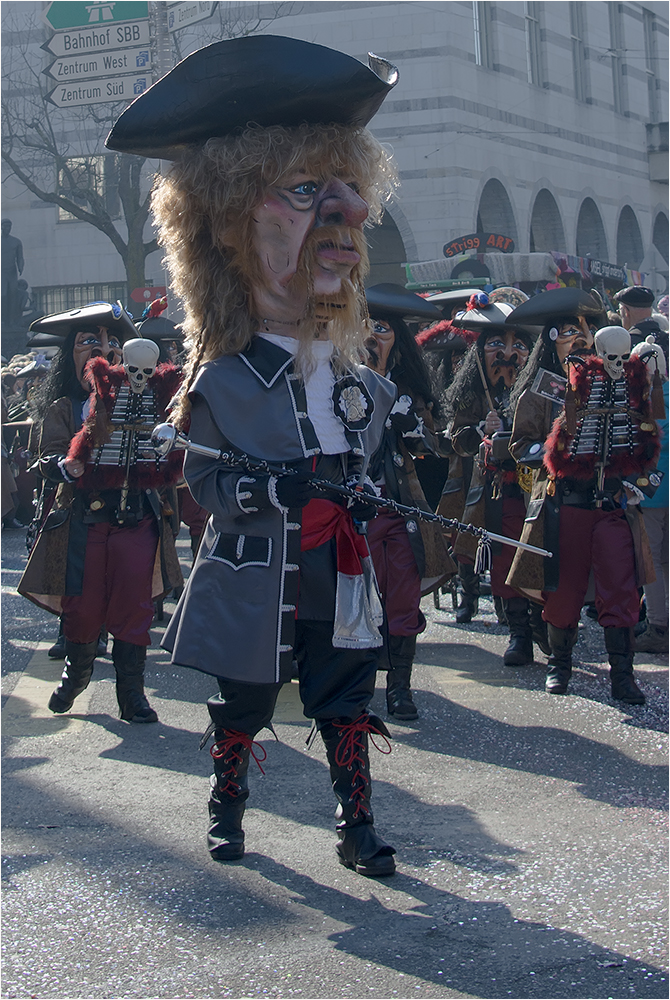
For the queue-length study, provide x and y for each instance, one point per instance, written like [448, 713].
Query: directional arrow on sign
[104, 39]
[98, 66]
[73, 14]
[76, 95]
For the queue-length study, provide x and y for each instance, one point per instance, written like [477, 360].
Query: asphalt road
[530, 829]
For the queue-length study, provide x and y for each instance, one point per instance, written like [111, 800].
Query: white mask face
[612, 344]
[140, 358]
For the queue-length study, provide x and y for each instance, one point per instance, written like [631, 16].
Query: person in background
[653, 637]
[635, 308]
[410, 556]
[97, 560]
[479, 405]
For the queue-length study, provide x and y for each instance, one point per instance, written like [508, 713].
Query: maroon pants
[116, 592]
[191, 513]
[397, 575]
[600, 540]
[514, 513]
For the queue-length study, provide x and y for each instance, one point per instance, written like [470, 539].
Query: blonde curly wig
[207, 192]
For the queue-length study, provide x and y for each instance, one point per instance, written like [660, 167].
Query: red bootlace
[227, 749]
[348, 753]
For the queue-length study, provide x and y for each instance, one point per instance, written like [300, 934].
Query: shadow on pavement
[602, 772]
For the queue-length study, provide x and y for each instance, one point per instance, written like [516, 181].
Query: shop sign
[480, 243]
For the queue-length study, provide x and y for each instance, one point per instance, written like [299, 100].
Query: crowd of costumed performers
[335, 467]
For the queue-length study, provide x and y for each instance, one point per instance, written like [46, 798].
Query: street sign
[183, 14]
[92, 40]
[118, 62]
[76, 95]
[70, 14]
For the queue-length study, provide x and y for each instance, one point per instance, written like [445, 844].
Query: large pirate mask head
[613, 346]
[505, 353]
[95, 342]
[305, 242]
[570, 335]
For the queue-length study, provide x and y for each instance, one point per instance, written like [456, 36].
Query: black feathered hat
[541, 309]
[388, 300]
[51, 331]
[261, 79]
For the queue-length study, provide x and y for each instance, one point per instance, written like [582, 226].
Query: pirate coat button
[643, 481]
[411, 526]
[654, 479]
[97, 504]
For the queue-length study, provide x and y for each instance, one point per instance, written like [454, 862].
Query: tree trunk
[134, 264]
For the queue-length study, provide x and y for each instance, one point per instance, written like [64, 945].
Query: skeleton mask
[652, 355]
[613, 346]
[139, 360]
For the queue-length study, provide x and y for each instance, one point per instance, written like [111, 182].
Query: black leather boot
[620, 646]
[229, 793]
[539, 628]
[469, 603]
[79, 660]
[57, 651]
[129, 662]
[519, 653]
[401, 650]
[561, 641]
[359, 846]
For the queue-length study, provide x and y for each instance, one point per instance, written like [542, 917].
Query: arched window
[546, 228]
[660, 236]
[629, 248]
[591, 241]
[495, 214]
[387, 253]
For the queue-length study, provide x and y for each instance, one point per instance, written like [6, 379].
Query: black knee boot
[57, 651]
[539, 628]
[359, 846]
[79, 660]
[129, 662]
[620, 645]
[401, 650]
[469, 604]
[561, 641]
[229, 793]
[519, 653]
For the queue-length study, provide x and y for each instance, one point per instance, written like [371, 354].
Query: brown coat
[43, 580]
[532, 423]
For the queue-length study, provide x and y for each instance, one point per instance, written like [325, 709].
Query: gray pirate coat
[236, 617]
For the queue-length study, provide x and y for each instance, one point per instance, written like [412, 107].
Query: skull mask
[613, 346]
[139, 360]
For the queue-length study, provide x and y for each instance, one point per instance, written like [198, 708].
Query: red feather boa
[562, 464]
[444, 326]
[106, 380]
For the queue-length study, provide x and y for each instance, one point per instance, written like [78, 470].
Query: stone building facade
[546, 122]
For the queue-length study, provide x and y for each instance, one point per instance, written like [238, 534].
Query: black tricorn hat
[51, 331]
[261, 79]
[388, 300]
[541, 309]
[160, 328]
